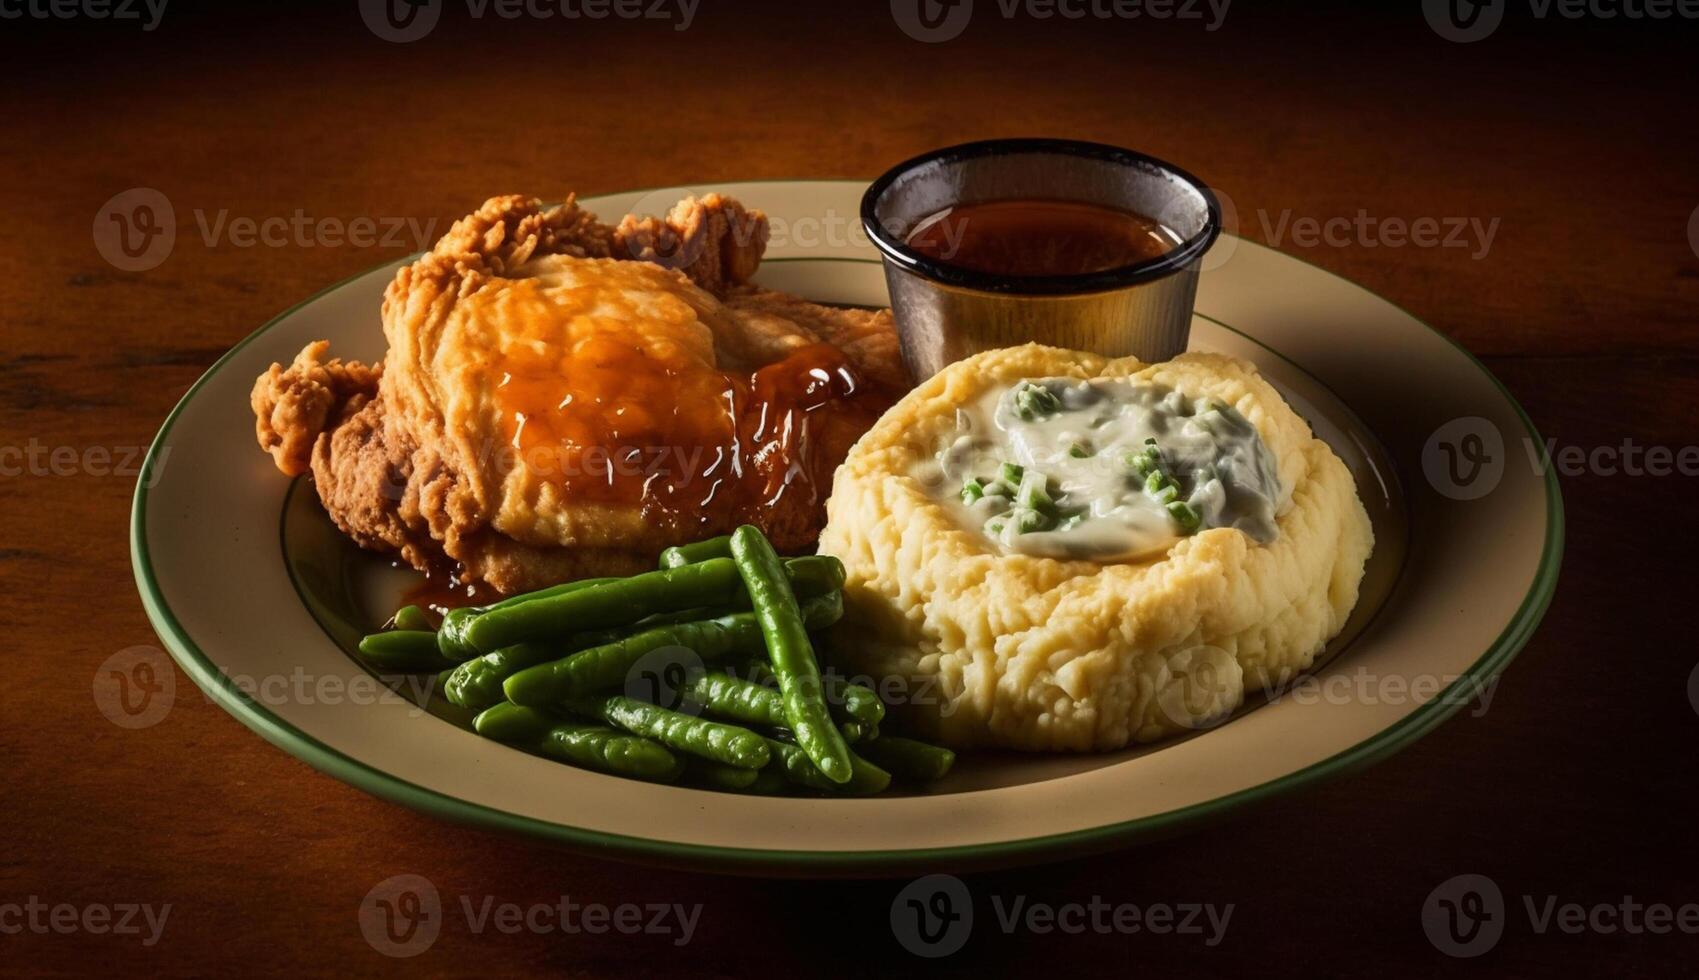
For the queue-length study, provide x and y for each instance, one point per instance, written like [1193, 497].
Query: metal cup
[945, 312]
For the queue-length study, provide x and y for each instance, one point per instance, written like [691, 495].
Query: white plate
[245, 579]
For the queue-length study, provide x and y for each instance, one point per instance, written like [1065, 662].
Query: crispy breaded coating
[293, 406]
[713, 239]
[407, 456]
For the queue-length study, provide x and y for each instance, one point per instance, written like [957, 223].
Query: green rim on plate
[279, 732]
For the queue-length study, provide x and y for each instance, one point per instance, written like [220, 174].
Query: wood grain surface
[1572, 139]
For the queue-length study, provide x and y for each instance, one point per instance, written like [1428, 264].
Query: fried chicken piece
[293, 406]
[364, 473]
[713, 239]
[412, 456]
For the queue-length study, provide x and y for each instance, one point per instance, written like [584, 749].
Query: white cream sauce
[1083, 496]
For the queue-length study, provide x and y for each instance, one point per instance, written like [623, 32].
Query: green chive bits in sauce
[1105, 470]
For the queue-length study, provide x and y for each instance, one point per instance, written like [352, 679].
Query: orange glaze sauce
[628, 421]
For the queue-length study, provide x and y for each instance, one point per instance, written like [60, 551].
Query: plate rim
[279, 732]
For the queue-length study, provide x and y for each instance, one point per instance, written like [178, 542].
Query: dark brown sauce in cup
[1037, 237]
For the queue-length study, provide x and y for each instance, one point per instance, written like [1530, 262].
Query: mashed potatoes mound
[1012, 650]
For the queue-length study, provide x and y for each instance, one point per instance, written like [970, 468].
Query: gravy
[1038, 237]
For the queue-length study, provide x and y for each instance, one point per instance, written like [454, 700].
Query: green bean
[908, 759]
[589, 745]
[1034, 494]
[753, 704]
[770, 782]
[854, 700]
[512, 723]
[412, 618]
[451, 636]
[734, 698]
[1183, 514]
[799, 769]
[810, 575]
[609, 666]
[477, 683]
[1035, 401]
[756, 670]
[713, 583]
[718, 775]
[813, 575]
[790, 653]
[599, 747]
[688, 554]
[549, 592]
[617, 603]
[1160, 484]
[848, 700]
[854, 732]
[404, 651]
[696, 736]
[866, 779]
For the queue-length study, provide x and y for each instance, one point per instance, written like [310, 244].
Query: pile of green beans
[550, 671]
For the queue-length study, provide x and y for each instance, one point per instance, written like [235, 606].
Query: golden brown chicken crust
[504, 233]
[395, 481]
[294, 405]
[713, 239]
[867, 337]
[363, 474]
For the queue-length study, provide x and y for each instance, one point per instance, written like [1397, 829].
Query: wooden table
[1573, 140]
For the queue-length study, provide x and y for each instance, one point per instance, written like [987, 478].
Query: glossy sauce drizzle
[625, 420]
